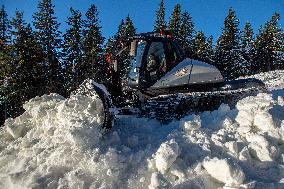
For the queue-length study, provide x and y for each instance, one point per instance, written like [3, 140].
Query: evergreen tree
[277, 42]
[126, 29]
[26, 79]
[4, 29]
[92, 46]
[186, 34]
[6, 65]
[113, 46]
[120, 32]
[210, 50]
[5, 45]
[160, 23]
[200, 47]
[108, 58]
[49, 37]
[73, 51]
[269, 46]
[130, 30]
[118, 50]
[228, 54]
[259, 55]
[175, 21]
[247, 41]
[182, 27]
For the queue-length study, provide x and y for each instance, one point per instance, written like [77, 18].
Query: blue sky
[208, 15]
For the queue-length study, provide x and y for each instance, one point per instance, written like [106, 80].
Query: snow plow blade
[98, 92]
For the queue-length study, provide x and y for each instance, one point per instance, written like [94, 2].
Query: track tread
[175, 106]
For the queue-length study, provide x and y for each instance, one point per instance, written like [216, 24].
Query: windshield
[136, 61]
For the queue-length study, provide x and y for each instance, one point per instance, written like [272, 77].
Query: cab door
[155, 59]
[173, 56]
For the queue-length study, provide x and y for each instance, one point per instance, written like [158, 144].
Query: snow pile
[58, 143]
[50, 139]
[272, 79]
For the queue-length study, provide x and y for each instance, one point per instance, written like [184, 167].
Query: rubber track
[167, 107]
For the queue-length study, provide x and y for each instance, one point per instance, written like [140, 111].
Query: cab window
[156, 60]
[172, 56]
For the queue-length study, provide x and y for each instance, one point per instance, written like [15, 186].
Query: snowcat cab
[158, 66]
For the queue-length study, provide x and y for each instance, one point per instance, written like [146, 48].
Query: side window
[156, 53]
[155, 60]
[172, 56]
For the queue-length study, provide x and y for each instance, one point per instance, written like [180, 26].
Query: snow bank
[49, 141]
[272, 79]
[58, 143]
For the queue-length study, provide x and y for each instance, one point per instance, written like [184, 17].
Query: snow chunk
[159, 182]
[224, 171]
[264, 121]
[190, 123]
[260, 148]
[166, 155]
[280, 100]
[15, 128]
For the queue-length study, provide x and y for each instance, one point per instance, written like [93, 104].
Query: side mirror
[114, 63]
[133, 48]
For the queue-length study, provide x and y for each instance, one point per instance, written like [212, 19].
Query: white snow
[58, 143]
[166, 155]
[229, 173]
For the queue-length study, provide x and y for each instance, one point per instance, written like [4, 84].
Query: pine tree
[108, 57]
[126, 29]
[72, 50]
[7, 67]
[117, 49]
[48, 35]
[247, 41]
[130, 30]
[27, 77]
[160, 23]
[4, 28]
[277, 42]
[175, 21]
[5, 45]
[269, 46]
[92, 46]
[259, 55]
[186, 34]
[228, 51]
[121, 30]
[210, 50]
[114, 45]
[200, 46]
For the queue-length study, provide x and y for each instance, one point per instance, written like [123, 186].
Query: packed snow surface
[58, 143]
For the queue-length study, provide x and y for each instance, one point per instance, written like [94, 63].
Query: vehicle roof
[152, 35]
